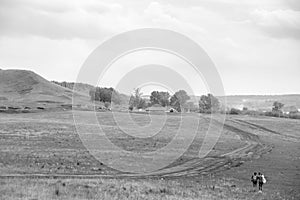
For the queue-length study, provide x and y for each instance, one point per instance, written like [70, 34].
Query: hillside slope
[26, 88]
[84, 89]
[81, 88]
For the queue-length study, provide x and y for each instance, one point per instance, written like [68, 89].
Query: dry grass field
[42, 157]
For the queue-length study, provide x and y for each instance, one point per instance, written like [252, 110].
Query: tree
[141, 104]
[208, 104]
[164, 98]
[175, 103]
[105, 95]
[161, 98]
[137, 96]
[179, 99]
[215, 104]
[136, 100]
[92, 94]
[116, 97]
[154, 97]
[277, 109]
[190, 106]
[131, 101]
[277, 106]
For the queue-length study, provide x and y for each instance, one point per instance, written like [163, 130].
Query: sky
[254, 44]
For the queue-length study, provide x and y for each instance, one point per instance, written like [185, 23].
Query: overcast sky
[255, 44]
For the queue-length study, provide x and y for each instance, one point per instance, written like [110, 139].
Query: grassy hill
[81, 88]
[84, 89]
[23, 88]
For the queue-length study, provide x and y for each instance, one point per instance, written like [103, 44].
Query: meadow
[43, 152]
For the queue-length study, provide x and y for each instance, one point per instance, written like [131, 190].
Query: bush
[234, 111]
[107, 105]
[294, 115]
[274, 114]
[253, 112]
[130, 108]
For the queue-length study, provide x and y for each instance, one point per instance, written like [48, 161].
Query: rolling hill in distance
[263, 102]
[259, 102]
[23, 88]
[26, 88]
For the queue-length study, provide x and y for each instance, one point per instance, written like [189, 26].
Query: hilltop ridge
[24, 88]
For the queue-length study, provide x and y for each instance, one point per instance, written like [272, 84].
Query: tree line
[162, 98]
[179, 100]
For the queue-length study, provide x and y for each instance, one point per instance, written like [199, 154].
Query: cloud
[242, 37]
[93, 19]
[293, 4]
[102, 8]
[171, 17]
[59, 19]
[158, 13]
[89, 19]
[278, 23]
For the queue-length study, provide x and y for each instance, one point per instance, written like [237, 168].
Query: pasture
[43, 152]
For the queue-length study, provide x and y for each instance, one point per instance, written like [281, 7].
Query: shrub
[274, 114]
[253, 112]
[294, 115]
[130, 107]
[107, 105]
[235, 111]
